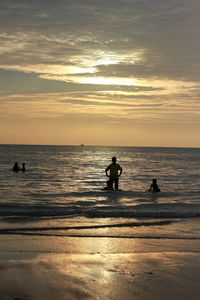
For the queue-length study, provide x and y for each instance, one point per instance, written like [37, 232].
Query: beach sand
[58, 268]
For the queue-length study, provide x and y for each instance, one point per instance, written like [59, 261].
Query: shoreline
[60, 268]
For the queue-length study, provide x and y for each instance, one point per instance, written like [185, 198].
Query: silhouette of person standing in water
[16, 168]
[115, 171]
[23, 169]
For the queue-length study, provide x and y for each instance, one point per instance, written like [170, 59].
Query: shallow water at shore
[59, 268]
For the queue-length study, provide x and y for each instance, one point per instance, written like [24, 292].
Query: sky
[100, 72]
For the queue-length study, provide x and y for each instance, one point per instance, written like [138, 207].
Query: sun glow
[107, 60]
[105, 80]
[98, 58]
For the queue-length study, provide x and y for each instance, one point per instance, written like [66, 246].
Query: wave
[98, 209]
[57, 233]
[65, 231]
[112, 193]
[56, 228]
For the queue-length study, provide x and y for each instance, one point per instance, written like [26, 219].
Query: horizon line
[88, 145]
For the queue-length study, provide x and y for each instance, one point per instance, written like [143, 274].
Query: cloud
[74, 33]
[110, 104]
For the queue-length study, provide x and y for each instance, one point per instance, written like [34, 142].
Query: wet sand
[58, 268]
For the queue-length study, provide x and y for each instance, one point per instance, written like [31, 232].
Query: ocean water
[61, 192]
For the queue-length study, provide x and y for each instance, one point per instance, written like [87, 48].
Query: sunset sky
[100, 72]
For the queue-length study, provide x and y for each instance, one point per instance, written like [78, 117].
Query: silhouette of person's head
[154, 181]
[23, 169]
[109, 183]
[114, 159]
[16, 167]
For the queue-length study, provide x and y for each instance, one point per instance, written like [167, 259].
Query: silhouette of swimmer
[23, 169]
[16, 168]
[115, 171]
[109, 185]
[154, 187]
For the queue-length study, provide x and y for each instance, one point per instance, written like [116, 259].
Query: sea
[61, 193]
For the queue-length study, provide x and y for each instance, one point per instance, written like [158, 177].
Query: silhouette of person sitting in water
[16, 167]
[115, 171]
[109, 185]
[154, 187]
[23, 169]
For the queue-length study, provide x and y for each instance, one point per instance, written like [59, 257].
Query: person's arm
[120, 171]
[106, 170]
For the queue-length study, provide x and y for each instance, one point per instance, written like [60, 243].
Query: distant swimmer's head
[114, 159]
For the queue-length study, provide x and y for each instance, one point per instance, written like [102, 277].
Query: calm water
[62, 191]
